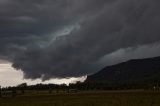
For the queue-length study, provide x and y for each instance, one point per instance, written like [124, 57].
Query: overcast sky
[48, 39]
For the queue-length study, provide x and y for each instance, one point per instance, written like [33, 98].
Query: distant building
[72, 90]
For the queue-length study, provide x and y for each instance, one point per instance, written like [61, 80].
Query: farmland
[85, 98]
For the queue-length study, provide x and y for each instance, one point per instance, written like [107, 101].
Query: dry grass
[93, 98]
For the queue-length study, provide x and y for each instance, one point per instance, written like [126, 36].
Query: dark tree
[0, 92]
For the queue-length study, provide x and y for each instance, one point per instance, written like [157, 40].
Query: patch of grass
[92, 98]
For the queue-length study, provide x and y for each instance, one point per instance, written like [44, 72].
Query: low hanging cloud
[122, 55]
[67, 38]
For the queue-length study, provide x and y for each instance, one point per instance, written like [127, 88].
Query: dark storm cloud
[122, 55]
[66, 38]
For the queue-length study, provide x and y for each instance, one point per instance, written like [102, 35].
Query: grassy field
[92, 98]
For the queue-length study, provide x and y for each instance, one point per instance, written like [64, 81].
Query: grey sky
[68, 38]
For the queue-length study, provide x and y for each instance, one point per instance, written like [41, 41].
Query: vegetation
[139, 72]
[86, 86]
[83, 98]
[80, 94]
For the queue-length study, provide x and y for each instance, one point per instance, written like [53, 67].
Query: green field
[86, 98]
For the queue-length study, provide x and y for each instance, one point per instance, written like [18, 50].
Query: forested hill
[133, 71]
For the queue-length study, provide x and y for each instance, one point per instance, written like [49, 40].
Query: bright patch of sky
[11, 77]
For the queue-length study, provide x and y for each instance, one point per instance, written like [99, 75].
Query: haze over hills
[133, 71]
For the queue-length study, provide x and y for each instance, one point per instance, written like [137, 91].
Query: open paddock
[85, 98]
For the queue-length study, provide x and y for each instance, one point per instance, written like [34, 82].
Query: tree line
[84, 86]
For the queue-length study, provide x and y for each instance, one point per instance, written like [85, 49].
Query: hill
[133, 71]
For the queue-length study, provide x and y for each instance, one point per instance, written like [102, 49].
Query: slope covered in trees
[138, 71]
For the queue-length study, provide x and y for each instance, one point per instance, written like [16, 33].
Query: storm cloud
[68, 38]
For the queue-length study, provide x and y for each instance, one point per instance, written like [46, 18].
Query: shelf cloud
[67, 38]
